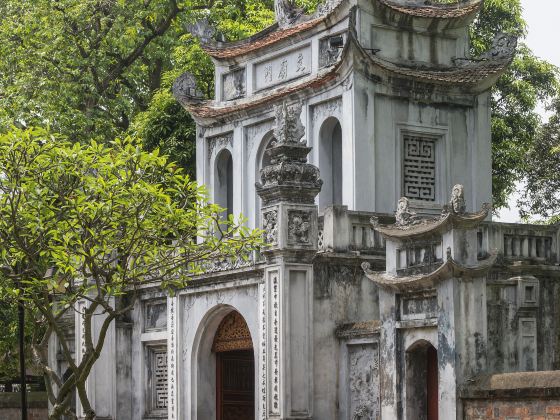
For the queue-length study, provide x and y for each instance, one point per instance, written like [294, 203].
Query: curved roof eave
[274, 34]
[208, 113]
[414, 8]
[450, 269]
[475, 77]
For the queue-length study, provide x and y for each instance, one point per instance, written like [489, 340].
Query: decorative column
[432, 295]
[289, 214]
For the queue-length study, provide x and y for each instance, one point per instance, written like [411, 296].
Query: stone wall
[524, 409]
[10, 406]
[514, 396]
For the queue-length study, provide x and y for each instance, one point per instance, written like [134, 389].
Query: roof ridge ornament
[186, 91]
[203, 30]
[288, 127]
[287, 13]
[454, 215]
[289, 177]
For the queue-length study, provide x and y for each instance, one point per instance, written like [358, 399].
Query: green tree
[86, 68]
[542, 172]
[92, 224]
[528, 81]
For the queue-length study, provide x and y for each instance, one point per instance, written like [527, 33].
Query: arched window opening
[330, 163]
[263, 159]
[422, 382]
[223, 182]
[235, 369]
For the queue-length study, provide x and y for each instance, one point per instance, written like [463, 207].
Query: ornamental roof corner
[409, 226]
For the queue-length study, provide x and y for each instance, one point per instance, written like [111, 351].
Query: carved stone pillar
[288, 190]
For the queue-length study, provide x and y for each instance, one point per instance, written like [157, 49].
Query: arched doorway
[223, 182]
[422, 395]
[235, 369]
[330, 163]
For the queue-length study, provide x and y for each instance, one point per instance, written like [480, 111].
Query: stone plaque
[419, 307]
[327, 55]
[363, 381]
[155, 315]
[283, 68]
[233, 85]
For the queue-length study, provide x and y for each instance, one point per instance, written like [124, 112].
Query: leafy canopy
[94, 223]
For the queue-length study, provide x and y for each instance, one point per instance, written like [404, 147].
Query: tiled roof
[210, 110]
[466, 75]
[437, 11]
[265, 39]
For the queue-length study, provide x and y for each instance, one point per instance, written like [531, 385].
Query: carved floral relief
[270, 226]
[299, 226]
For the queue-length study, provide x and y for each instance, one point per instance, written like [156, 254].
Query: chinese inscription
[283, 68]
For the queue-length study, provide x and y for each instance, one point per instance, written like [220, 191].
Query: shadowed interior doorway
[235, 370]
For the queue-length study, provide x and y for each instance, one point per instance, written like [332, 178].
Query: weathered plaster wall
[505, 310]
[341, 294]
[460, 158]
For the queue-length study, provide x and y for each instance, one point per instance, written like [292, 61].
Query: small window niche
[528, 292]
[155, 315]
[421, 167]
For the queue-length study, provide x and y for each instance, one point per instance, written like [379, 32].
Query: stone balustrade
[341, 230]
[519, 242]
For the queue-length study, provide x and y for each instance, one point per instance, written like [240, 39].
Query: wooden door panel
[236, 385]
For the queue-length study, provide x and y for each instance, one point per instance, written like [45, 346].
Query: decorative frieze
[331, 108]
[232, 334]
[284, 68]
[219, 142]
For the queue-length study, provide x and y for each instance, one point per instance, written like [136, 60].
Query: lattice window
[419, 167]
[157, 380]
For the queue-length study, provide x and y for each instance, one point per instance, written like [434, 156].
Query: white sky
[543, 19]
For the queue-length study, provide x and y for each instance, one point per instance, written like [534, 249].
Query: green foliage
[94, 223]
[529, 80]
[87, 68]
[542, 192]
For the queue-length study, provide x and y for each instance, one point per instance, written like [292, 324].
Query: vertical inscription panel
[273, 351]
[172, 357]
[283, 68]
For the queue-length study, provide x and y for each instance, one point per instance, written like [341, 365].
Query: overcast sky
[543, 18]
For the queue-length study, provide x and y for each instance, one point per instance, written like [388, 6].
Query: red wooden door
[432, 384]
[235, 381]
